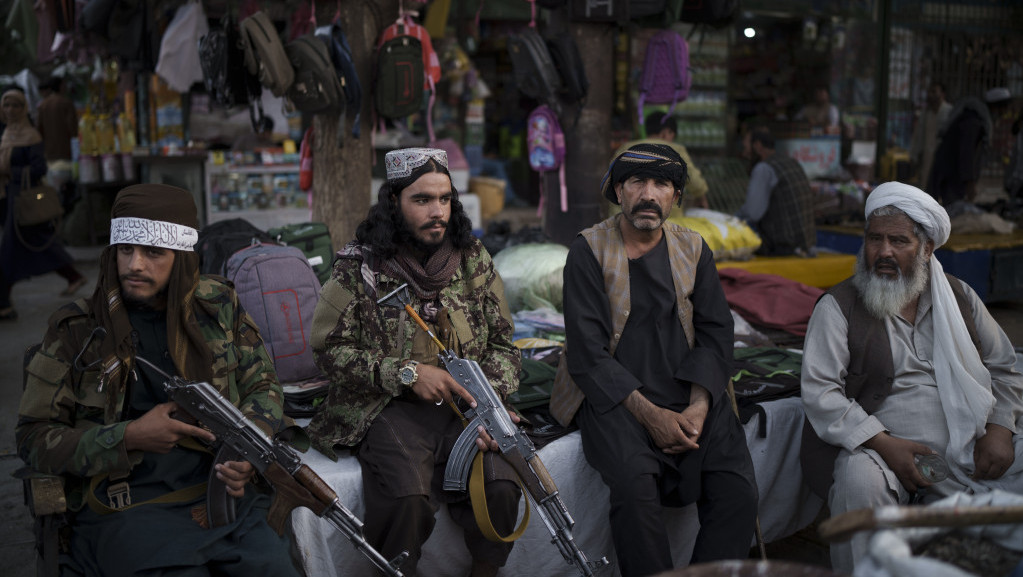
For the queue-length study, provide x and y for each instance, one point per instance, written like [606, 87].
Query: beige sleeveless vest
[605, 240]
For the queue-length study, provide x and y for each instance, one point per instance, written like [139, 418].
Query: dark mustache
[648, 205]
[885, 261]
[434, 223]
[125, 277]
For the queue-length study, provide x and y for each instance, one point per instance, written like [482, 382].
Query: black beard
[408, 239]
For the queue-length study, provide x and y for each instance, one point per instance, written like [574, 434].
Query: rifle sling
[478, 498]
[179, 496]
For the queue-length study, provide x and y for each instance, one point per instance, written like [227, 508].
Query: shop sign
[819, 157]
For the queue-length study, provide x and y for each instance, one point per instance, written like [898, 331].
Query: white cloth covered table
[786, 505]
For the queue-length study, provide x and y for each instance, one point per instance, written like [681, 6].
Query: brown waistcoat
[868, 378]
[605, 240]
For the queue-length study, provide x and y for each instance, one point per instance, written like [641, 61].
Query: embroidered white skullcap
[401, 163]
[917, 204]
[997, 94]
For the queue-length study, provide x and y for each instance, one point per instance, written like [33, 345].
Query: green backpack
[313, 239]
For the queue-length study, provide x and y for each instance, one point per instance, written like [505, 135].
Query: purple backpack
[278, 288]
[665, 78]
[545, 143]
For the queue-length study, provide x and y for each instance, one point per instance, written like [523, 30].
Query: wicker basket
[491, 193]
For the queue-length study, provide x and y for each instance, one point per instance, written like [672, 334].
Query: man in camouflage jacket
[99, 418]
[388, 395]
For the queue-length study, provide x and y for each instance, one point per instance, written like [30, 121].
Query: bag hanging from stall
[545, 143]
[305, 161]
[536, 75]
[401, 82]
[264, 54]
[344, 65]
[219, 240]
[316, 87]
[565, 54]
[665, 78]
[223, 65]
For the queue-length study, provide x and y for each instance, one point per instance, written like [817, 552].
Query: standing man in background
[925, 133]
[779, 201]
[58, 120]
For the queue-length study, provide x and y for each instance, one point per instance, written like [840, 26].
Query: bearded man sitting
[903, 361]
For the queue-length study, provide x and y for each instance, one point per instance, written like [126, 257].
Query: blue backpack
[341, 55]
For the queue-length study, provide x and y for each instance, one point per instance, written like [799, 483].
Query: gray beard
[884, 297]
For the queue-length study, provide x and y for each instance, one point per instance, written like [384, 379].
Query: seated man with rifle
[388, 396]
[95, 414]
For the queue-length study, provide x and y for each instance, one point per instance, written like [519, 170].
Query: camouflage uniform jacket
[69, 425]
[361, 345]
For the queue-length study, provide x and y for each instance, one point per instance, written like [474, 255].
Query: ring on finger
[439, 402]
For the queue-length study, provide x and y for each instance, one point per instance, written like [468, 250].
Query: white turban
[917, 204]
[964, 383]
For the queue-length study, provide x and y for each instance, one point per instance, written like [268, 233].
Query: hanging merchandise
[316, 88]
[405, 54]
[575, 85]
[179, 63]
[344, 64]
[305, 161]
[223, 65]
[536, 76]
[264, 54]
[545, 142]
[665, 78]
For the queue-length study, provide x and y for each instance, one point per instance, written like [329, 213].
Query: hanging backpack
[545, 143]
[223, 66]
[665, 78]
[278, 288]
[344, 65]
[536, 76]
[264, 54]
[407, 68]
[316, 88]
[565, 54]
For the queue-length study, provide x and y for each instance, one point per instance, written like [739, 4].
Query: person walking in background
[21, 149]
[58, 121]
[925, 133]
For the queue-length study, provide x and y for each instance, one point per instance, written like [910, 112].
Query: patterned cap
[401, 163]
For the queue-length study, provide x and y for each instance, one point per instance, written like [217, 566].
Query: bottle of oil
[105, 134]
[87, 133]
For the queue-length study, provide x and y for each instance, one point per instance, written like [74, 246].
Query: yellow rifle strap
[478, 498]
[179, 496]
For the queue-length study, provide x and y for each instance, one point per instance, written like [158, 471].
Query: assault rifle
[516, 448]
[295, 484]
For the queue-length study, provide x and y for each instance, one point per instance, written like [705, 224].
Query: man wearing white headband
[95, 415]
[904, 362]
[388, 400]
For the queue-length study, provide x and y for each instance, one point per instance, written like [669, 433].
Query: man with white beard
[903, 361]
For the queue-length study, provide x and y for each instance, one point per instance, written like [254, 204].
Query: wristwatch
[407, 374]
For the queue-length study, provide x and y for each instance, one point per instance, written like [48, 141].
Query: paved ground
[37, 298]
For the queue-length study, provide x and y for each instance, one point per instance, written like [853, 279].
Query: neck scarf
[964, 383]
[425, 279]
[19, 131]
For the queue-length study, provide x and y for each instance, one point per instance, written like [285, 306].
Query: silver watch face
[407, 375]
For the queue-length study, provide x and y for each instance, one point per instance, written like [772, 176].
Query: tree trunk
[587, 143]
[342, 191]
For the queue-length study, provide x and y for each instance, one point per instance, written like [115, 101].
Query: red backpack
[391, 72]
[545, 143]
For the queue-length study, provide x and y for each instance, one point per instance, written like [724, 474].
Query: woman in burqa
[30, 250]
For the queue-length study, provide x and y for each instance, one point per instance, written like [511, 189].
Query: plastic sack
[729, 237]
[532, 275]
[179, 50]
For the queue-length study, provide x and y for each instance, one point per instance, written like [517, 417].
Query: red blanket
[769, 300]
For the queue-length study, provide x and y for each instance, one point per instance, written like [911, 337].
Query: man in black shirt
[649, 345]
